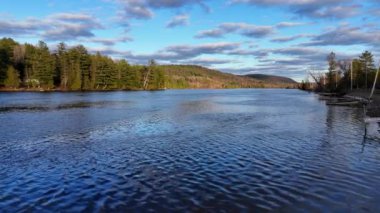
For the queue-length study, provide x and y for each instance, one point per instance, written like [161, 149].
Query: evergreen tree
[12, 80]
[122, 74]
[45, 66]
[84, 66]
[358, 76]
[367, 63]
[62, 66]
[74, 75]
[106, 73]
[331, 59]
[135, 77]
[34, 66]
[112, 74]
[6, 56]
[30, 66]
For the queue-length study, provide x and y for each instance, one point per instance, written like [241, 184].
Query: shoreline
[129, 90]
[372, 107]
[364, 95]
[68, 91]
[360, 96]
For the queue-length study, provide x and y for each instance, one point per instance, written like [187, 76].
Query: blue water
[184, 150]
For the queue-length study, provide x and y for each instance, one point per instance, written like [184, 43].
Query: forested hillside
[191, 76]
[35, 67]
[272, 79]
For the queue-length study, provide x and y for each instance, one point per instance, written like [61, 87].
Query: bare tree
[19, 54]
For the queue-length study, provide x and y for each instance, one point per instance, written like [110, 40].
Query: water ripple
[227, 151]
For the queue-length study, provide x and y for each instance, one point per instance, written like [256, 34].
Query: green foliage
[358, 73]
[61, 61]
[74, 68]
[84, 66]
[45, 66]
[134, 77]
[106, 73]
[12, 80]
[331, 75]
[39, 66]
[6, 57]
[129, 77]
[366, 59]
[363, 71]
[74, 75]
[154, 76]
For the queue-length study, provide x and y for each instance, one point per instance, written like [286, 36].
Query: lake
[184, 150]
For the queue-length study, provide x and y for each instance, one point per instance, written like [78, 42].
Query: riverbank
[364, 94]
[114, 90]
[373, 106]
[61, 90]
[360, 96]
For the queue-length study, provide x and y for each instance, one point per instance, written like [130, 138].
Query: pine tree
[135, 77]
[106, 73]
[30, 66]
[111, 74]
[6, 57]
[367, 63]
[74, 75]
[122, 74]
[84, 66]
[62, 66]
[45, 66]
[331, 59]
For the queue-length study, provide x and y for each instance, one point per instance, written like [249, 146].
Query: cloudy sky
[282, 37]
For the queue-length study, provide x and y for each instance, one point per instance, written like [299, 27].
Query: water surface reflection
[227, 150]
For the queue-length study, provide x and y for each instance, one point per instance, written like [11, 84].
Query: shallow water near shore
[185, 150]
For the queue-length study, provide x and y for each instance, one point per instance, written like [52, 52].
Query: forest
[36, 67]
[344, 75]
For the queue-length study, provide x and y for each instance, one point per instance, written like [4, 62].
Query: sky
[280, 37]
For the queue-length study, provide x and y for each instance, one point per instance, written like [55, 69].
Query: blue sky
[281, 37]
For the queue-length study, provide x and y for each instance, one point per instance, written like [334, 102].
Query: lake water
[184, 150]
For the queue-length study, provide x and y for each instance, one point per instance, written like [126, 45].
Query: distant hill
[192, 76]
[272, 79]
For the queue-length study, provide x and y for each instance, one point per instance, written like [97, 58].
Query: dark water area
[184, 150]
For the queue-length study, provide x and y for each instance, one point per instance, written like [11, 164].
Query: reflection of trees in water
[329, 120]
[196, 107]
[83, 119]
[344, 120]
[344, 135]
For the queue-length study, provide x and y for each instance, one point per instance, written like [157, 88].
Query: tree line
[344, 75]
[71, 68]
